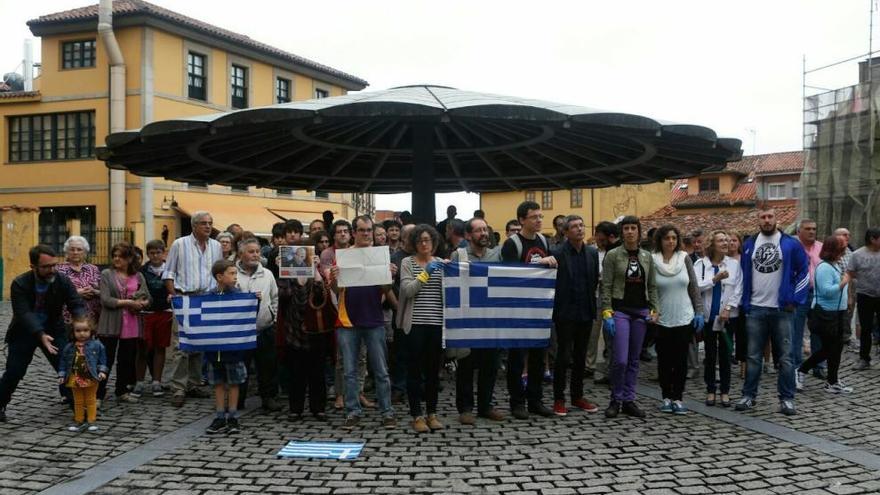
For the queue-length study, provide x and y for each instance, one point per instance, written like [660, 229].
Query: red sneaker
[585, 405]
[559, 408]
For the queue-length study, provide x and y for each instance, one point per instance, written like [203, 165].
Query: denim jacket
[96, 359]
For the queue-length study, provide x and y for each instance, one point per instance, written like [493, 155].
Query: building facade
[729, 199]
[174, 67]
[594, 205]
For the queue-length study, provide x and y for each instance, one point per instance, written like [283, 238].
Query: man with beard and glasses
[485, 360]
[38, 297]
[776, 279]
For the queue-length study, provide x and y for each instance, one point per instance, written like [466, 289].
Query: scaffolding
[841, 177]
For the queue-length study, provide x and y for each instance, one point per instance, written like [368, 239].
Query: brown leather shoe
[434, 423]
[492, 415]
[365, 402]
[467, 418]
[419, 425]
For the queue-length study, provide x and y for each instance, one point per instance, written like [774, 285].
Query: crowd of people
[749, 300]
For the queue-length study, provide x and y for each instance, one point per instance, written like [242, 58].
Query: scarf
[676, 263]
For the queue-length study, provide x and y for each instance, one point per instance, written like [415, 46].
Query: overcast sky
[734, 66]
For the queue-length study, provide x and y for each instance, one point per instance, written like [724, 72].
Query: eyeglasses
[425, 241]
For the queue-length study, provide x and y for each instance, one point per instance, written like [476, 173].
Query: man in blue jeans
[775, 281]
[806, 235]
[361, 320]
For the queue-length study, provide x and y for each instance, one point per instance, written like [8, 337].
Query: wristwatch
[728, 308]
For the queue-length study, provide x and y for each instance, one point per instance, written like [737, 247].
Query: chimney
[28, 65]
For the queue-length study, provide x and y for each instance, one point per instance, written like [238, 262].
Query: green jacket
[613, 276]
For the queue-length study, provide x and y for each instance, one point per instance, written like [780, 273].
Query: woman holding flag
[720, 280]
[420, 315]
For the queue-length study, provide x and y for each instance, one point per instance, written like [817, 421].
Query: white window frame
[771, 185]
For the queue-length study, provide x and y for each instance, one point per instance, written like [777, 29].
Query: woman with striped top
[420, 315]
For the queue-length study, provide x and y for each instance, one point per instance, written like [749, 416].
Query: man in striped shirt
[188, 272]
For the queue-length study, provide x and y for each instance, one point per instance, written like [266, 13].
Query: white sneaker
[799, 380]
[138, 390]
[158, 391]
[838, 388]
[77, 427]
[92, 428]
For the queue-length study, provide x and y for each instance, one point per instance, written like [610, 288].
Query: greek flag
[217, 322]
[495, 305]
[322, 450]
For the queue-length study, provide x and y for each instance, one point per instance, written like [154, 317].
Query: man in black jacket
[574, 310]
[37, 299]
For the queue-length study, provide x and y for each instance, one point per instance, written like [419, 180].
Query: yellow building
[594, 205]
[174, 66]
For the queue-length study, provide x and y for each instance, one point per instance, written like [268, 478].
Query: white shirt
[766, 270]
[190, 267]
[731, 287]
[262, 281]
[676, 307]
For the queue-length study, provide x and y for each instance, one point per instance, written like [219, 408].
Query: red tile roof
[745, 191]
[743, 222]
[123, 8]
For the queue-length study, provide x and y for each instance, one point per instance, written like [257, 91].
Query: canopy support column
[423, 174]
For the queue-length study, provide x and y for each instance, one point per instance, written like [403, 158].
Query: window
[321, 93]
[322, 195]
[197, 185]
[195, 76]
[282, 90]
[796, 189]
[59, 136]
[776, 190]
[238, 79]
[78, 54]
[53, 225]
[282, 192]
[530, 195]
[577, 198]
[243, 189]
[546, 200]
[709, 185]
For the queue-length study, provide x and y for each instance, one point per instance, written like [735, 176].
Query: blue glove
[433, 265]
[699, 323]
[608, 325]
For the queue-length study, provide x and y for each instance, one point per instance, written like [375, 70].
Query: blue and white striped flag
[322, 450]
[495, 305]
[217, 322]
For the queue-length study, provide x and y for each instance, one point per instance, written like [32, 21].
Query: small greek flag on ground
[322, 450]
[217, 322]
[495, 305]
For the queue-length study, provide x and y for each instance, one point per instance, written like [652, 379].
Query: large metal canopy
[423, 139]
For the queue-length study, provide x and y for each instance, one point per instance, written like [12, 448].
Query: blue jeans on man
[799, 322]
[773, 323]
[349, 341]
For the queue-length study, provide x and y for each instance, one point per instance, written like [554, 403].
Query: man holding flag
[486, 360]
[531, 247]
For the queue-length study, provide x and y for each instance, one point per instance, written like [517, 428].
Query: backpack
[519, 247]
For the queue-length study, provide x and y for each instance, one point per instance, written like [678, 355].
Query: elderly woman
[84, 276]
[124, 294]
[720, 279]
[227, 245]
[421, 318]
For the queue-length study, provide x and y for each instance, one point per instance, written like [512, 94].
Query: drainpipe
[117, 107]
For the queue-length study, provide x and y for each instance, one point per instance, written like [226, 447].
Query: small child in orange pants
[82, 365]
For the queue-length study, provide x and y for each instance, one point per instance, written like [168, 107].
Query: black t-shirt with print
[532, 250]
[634, 284]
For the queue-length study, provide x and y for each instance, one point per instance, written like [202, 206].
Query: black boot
[613, 409]
[630, 408]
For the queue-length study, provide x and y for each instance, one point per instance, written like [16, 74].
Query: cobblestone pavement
[580, 453]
